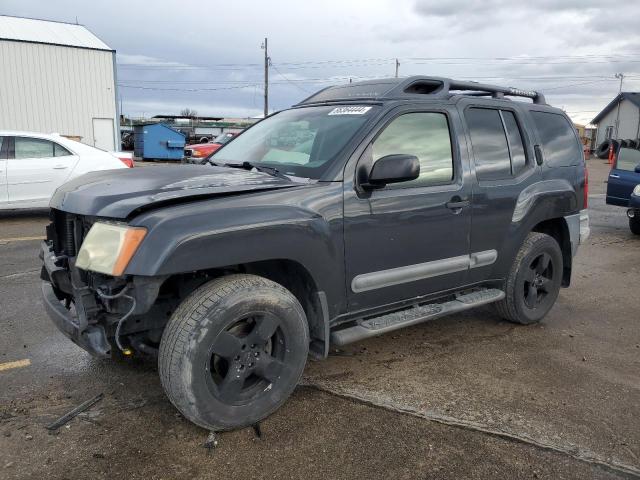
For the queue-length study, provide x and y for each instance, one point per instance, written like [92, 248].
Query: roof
[53, 33]
[633, 97]
[413, 87]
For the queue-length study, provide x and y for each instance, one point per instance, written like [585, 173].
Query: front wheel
[233, 351]
[534, 280]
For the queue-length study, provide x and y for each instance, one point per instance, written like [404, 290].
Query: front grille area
[188, 153]
[66, 231]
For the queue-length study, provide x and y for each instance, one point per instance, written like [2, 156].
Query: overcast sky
[207, 56]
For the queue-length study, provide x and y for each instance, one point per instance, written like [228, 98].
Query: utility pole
[397, 67]
[621, 77]
[267, 62]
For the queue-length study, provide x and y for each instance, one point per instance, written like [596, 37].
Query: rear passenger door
[503, 164]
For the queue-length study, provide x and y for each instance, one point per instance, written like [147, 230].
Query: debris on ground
[73, 413]
[257, 430]
[211, 442]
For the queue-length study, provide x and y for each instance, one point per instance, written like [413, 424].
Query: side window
[60, 151]
[559, 143]
[33, 148]
[627, 159]
[489, 143]
[425, 135]
[516, 146]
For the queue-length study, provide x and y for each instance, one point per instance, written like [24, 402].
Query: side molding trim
[411, 273]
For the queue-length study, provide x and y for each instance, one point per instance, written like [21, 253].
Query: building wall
[49, 88]
[629, 118]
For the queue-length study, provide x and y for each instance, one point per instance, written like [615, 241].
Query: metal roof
[633, 97]
[54, 33]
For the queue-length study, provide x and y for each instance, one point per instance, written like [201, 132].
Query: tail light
[586, 187]
[128, 161]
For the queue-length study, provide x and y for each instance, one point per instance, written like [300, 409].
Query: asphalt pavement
[467, 396]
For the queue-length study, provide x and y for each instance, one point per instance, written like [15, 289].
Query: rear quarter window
[559, 143]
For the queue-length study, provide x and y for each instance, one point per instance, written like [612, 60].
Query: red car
[197, 153]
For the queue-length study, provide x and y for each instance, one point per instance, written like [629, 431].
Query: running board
[372, 327]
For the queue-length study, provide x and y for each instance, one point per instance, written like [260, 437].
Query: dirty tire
[233, 351]
[538, 266]
[634, 224]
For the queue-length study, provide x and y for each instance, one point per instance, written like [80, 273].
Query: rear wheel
[533, 283]
[634, 223]
[233, 351]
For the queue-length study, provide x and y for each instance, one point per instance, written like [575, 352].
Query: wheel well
[288, 273]
[559, 230]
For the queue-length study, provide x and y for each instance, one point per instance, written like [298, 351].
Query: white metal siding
[48, 88]
[629, 118]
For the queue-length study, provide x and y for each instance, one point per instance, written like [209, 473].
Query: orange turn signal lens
[132, 239]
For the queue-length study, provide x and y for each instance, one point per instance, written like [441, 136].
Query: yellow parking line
[20, 239]
[17, 364]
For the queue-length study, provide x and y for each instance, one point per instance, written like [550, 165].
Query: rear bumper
[92, 338]
[579, 229]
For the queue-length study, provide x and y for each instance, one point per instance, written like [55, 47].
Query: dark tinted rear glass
[489, 144]
[518, 157]
[559, 143]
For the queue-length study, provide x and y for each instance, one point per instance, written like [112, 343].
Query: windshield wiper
[274, 172]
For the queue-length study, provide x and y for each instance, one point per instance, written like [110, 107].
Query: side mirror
[393, 169]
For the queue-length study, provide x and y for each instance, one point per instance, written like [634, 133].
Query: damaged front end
[98, 312]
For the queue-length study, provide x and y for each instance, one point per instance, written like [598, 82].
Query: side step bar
[372, 327]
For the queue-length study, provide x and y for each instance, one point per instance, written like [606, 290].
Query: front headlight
[636, 191]
[197, 153]
[108, 248]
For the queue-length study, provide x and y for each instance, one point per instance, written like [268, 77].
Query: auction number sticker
[354, 110]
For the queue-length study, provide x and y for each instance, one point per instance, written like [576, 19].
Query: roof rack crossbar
[496, 91]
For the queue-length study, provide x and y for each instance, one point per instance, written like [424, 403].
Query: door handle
[457, 204]
[614, 176]
[60, 167]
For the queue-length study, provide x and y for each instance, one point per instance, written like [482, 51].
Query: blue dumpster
[157, 141]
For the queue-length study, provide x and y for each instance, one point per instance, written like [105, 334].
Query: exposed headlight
[636, 191]
[109, 247]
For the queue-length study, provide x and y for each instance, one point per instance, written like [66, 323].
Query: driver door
[409, 239]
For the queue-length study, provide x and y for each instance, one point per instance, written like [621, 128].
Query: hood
[117, 193]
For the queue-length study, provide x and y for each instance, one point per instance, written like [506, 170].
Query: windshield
[302, 142]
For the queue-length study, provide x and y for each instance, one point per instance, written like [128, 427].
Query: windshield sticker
[349, 110]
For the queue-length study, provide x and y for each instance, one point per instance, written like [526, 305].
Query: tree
[187, 112]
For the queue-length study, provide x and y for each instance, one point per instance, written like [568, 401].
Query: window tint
[425, 135]
[60, 151]
[628, 158]
[516, 146]
[33, 148]
[559, 143]
[489, 143]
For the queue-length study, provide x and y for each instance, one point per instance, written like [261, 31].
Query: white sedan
[33, 165]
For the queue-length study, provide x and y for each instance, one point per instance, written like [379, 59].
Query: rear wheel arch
[558, 229]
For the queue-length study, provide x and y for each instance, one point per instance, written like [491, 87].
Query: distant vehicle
[199, 153]
[623, 186]
[366, 208]
[34, 165]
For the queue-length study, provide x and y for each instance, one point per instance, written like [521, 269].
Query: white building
[626, 118]
[58, 77]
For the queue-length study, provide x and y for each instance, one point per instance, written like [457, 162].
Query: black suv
[366, 208]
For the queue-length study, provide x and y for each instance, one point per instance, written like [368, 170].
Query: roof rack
[434, 87]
